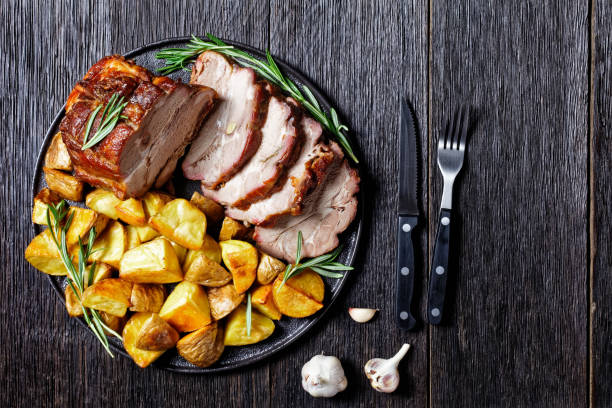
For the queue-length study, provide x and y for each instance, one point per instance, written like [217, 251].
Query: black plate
[287, 330]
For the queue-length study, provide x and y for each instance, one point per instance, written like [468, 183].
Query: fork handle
[439, 269]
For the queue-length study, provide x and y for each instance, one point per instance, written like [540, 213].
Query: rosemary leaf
[110, 116]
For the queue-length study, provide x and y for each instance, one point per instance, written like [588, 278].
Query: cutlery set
[451, 151]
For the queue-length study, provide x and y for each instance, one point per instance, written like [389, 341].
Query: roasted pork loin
[255, 180]
[232, 134]
[161, 118]
[327, 212]
[308, 170]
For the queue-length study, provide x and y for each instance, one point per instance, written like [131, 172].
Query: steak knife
[408, 214]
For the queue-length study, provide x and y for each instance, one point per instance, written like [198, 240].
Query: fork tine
[466, 121]
[449, 131]
[442, 138]
[455, 144]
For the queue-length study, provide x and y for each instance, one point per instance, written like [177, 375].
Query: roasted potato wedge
[309, 283]
[268, 268]
[41, 203]
[147, 297]
[294, 302]
[73, 306]
[186, 308]
[65, 185]
[202, 347]
[261, 299]
[131, 212]
[133, 240]
[84, 220]
[57, 156]
[115, 323]
[181, 252]
[181, 222]
[109, 295]
[42, 254]
[156, 334]
[200, 269]
[240, 258]
[110, 246]
[232, 229]
[213, 211]
[154, 201]
[211, 249]
[151, 262]
[223, 300]
[146, 233]
[101, 271]
[131, 333]
[236, 330]
[103, 202]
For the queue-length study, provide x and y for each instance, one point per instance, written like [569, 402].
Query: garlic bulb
[361, 315]
[383, 374]
[323, 376]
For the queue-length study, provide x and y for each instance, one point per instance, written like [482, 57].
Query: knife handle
[439, 269]
[405, 271]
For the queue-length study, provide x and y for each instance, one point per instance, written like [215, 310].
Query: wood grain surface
[529, 319]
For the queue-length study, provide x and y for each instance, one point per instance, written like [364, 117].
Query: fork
[451, 150]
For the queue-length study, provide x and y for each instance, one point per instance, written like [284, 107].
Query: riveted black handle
[405, 271]
[439, 269]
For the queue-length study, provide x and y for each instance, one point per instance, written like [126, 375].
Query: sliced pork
[328, 211]
[232, 133]
[278, 144]
[129, 160]
[310, 167]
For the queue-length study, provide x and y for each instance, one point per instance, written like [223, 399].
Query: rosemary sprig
[179, 58]
[56, 214]
[324, 265]
[249, 312]
[108, 121]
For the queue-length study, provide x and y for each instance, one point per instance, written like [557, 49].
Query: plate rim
[359, 219]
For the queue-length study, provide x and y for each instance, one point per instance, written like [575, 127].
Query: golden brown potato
[132, 237]
[308, 283]
[211, 249]
[213, 211]
[156, 334]
[42, 254]
[146, 233]
[202, 270]
[232, 229]
[101, 271]
[153, 202]
[181, 222]
[223, 300]
[240, 258]
[261, 299]
[147, 297]
[73, 306]
[115, 323]
[110, 246]
[131, 333]
[202, 347]
[83, 220]
[268, 268]
[152, 262]
[103, 202]
[186, 308]
[131, 212]
[236, 330]
[299, 301]
[109, 295]
[57, 156]
[181, 252]
[41, 203]
[65, 185]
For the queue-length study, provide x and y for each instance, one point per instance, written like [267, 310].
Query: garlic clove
[361, 315]
[323, 376]
[383, 374]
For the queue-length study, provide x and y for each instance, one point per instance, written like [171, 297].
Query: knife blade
[408, 214]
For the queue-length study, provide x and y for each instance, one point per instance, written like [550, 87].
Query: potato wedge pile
[160, 278]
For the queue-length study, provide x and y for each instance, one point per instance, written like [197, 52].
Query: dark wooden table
[530, 321]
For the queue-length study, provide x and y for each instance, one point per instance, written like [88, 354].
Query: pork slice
[232, 133]
[255, 180]
[328, 211]
[309, 168]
